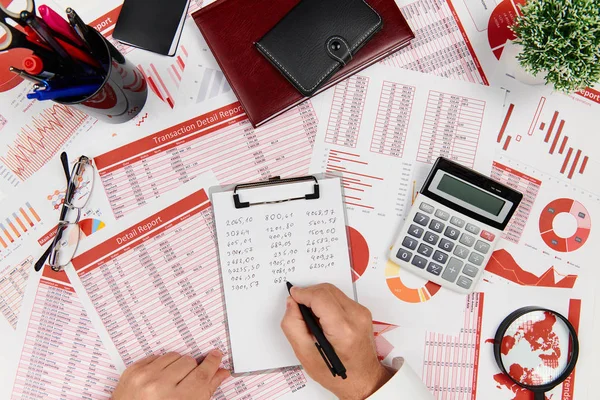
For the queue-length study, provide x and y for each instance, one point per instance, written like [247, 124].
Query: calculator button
[470, 270]
[421, 219]
[442, 215]
[467, 240]
[404, 255]
[482, 247]
[472, 229]
[431, 238]
[457, 221]
[419, 262]
[434, 268]
[464, 282]
[476, 259]
[440, 257]
[452, 233]
[415, 231]
[427, 208]
[487, 236]
[410, 243]
[427, 251]
[461, 252]
[452, 270]
[445, 244]
[436, 226]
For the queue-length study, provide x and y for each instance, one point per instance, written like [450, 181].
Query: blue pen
[52, 94]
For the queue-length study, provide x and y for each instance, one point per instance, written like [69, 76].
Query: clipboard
[268, 233]
[275, 181]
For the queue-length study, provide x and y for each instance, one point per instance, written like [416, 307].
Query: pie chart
[359, 251]
[393, 277]
[90, 226]
[501, 19]
[553, 216]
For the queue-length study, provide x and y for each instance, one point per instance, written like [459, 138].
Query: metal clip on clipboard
[274, 182]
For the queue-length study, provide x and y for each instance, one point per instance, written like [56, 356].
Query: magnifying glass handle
[539, 396]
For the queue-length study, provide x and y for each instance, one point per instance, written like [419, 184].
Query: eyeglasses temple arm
[40, 263]
[64, 158]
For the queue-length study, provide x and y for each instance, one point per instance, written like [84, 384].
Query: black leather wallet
[317, 38]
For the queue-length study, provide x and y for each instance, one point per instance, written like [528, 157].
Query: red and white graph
[363, 182]
[503, 264]
[165, 80]
[555, 138]
[39, 140]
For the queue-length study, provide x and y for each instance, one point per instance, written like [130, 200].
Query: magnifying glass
[536, 348]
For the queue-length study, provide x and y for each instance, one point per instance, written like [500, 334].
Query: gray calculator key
[482, 247]
[457, 221]
[434, 268]
[421, 219]
[425, 250]
[419, 262]
[452, 233]
[470, 270]
[404, 255]
[464, 282]
[452, 269]
[446, 245]
[476, 259]
[427, 208]
[472, 229]
[410, 243]
[461, 252]
[440, 257]
[467, 240]
[441, 214]
[431, 238]
[415, 231]
[436, 226]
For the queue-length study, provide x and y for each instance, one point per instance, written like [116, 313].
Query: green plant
[562, 39]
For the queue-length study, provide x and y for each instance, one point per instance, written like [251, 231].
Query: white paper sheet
[382, 131]
[151, 284]
[263, 246]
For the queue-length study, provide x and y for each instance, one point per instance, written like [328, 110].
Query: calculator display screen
[470, 194]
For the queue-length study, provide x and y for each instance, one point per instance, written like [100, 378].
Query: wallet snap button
[335, 45]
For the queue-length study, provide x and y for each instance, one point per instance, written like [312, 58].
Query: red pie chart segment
[359, 250]
[581, 215]
[501, 19]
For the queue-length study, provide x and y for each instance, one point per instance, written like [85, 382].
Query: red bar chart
[355, 183]
[555, 138]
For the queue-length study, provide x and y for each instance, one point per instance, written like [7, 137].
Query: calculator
[453, 226]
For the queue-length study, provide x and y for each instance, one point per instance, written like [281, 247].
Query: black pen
[325, 348]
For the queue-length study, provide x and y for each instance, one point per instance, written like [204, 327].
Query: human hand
[172, 377]
[349, 328]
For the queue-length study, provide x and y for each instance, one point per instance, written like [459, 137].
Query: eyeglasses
[68, 233]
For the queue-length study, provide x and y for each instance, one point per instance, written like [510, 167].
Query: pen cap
[33, 65]
[122, 90]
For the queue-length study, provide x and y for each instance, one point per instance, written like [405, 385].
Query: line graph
[41, 139]
[504, 265]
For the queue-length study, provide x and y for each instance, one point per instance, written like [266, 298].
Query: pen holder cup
[123, 92]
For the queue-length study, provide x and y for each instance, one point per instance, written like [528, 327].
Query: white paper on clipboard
[263, 245]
